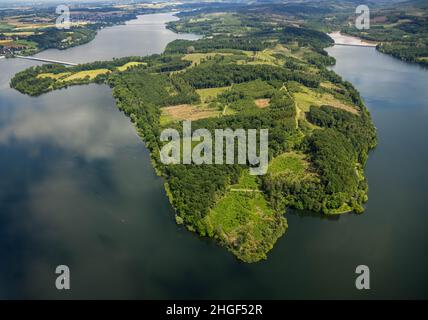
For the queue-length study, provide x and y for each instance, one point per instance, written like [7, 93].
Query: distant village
[8, 47]
[17, 30]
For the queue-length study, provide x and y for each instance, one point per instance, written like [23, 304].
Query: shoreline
[89, 40]
[347, 40]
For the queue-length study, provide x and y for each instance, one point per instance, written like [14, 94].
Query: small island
[250, 70]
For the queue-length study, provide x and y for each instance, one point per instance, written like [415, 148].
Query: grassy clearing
[291, 164]
[228, 111]
[266, 57]
[187, 112]
[196, 58]
[307, 97]
[246, 181]
[207, 95]
[238, 210]
[261, 57]
[244, 222]
[254, 89]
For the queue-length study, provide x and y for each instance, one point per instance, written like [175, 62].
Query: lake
[78, 189]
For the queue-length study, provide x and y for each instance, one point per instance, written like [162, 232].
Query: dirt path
[245, 190]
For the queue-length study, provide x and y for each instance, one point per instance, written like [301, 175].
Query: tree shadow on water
[312, 214]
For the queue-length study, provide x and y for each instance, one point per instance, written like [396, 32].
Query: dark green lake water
[77, 188]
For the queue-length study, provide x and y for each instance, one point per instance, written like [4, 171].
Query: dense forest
[270, 76]
[59, 39]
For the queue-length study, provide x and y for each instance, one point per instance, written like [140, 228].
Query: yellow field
[92, 74]
[53, 75]
[187, 112]
[328, 85]
[130, 65]
[33, 26]
[20, 25]
[5, 42]
[68, 76]
[22, 34]
[16, 24]
[279, 48]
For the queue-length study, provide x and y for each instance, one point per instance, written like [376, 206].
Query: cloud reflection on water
[82, 126]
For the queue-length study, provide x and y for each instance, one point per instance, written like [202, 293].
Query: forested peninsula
[249, 71]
